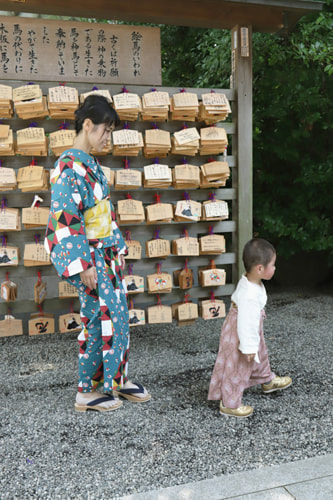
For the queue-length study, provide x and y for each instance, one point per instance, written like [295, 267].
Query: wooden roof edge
[311, 5]
[267, 16]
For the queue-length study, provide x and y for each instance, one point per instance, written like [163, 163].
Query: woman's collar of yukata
[86, 158]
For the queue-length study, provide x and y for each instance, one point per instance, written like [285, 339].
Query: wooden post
[241, 81]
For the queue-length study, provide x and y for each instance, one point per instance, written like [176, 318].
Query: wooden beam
[224, 14]
[241, 45]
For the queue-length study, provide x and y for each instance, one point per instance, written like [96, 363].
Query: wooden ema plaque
[66, 290]
[159, 212]
[7, 145]
[130, 211]
[70, 322]
[136, 317]
[6, 101]
[7, 178]
[128, 106]
[159, 283]
[211, 277]
[183, 278]
[31, 141]
[214, 108]
[134, 250]
[134, 283]
[186, 246]
[40, 291]
[127, 178]
[33, 178]
[10, 219]
[41, 323]
[9, 256]
[35, 216]
[10, 327]
[29, 102]
[186, 142]
[215, 210]
[158, 248]
[4, 131]
[8, 291]
[157, 176]
[104, 93]
[186, 176]
[187, 210]
[157, 143]
[155, 106]
[127, 142]
[187, 312]
[159, 314]
[61, 140]
[35, 255]
[212, 244]
[213, 140]
[212, 309]
[184, 106]
[214, 174]
[62, 102]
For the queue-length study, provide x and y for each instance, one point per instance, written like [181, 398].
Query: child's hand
[250, 357]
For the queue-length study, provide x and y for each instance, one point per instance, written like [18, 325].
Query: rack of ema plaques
[172, 279]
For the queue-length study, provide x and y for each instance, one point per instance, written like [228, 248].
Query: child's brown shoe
[277, 384]
[240, 412]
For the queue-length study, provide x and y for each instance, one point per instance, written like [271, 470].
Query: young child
[242, 360]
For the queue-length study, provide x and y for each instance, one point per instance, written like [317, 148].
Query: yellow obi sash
[98, 220]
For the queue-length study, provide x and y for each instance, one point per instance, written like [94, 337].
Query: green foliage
[292, 120]
[293, 158]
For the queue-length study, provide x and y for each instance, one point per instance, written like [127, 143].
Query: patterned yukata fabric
[77, 185]
[232, 372]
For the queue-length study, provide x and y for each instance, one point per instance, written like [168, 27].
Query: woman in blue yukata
[88, 250]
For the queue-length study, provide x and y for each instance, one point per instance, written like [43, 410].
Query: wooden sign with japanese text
[159, 314]
[35, 255]
[158, 248]
[134, 250]
[48, 49]
[66, 290]
[11, 326]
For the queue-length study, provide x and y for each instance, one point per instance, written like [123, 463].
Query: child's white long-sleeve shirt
[250, 299]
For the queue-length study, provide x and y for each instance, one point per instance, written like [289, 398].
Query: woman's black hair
[257, 251]
[98, 109]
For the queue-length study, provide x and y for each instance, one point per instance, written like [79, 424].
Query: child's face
[269, 270]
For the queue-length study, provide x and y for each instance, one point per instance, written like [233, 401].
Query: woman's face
[99, 135]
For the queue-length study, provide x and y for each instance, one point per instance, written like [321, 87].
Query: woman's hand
[122, 261]
[250, 357]
[89, 277]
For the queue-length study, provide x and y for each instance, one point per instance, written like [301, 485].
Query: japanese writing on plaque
[95, 52]
[136, 39]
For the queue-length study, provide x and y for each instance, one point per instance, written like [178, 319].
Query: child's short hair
[257, 251]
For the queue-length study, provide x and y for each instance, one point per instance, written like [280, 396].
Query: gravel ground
[48, 451]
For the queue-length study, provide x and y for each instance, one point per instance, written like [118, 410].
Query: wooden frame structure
[257, 15]
[268, 16]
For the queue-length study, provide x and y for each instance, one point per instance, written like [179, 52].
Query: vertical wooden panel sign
[45, 49]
